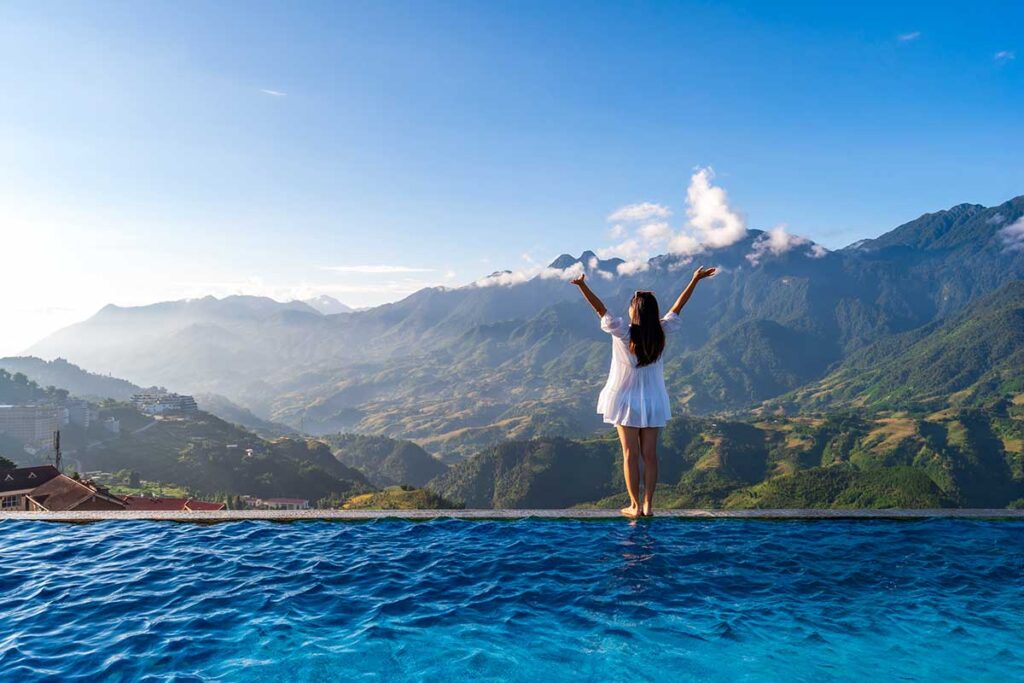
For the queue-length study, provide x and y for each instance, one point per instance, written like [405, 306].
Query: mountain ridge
[454, 368]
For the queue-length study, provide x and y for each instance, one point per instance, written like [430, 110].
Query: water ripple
[724, 600]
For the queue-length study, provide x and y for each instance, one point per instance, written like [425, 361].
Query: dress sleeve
[614, 326]
[671, 323]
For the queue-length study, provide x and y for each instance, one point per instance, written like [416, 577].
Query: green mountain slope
[384, 461]
[399, 498]
[966, 458]
[208, 455]
[974, 357]
[17, 388]
[77, 381]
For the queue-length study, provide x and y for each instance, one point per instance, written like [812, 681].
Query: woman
[634, 397]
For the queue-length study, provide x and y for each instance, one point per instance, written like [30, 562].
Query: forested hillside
[965, 458]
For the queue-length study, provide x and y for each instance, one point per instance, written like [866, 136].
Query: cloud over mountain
[1013, 235]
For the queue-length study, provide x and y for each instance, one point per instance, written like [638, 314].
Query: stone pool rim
[497, 515]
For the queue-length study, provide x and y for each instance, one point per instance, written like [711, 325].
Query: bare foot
[631, 511]
[648, 510]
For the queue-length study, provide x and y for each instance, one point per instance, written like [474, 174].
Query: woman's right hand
[578, 280]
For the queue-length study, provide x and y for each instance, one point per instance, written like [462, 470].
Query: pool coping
[580, 514]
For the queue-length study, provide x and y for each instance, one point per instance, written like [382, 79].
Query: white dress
[632, 396]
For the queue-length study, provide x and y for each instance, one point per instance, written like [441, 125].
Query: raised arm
[589, 295]
[698, 275]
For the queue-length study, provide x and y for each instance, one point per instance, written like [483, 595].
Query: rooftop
[22, 478]
[169, 504]
[62, 493]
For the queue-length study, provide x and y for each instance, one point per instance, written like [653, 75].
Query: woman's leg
[629, 437]
[649, 453]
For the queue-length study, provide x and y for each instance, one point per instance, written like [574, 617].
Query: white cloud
[997, 219]
[655, 233]
[774, 241]
[632, 267]
[273, 93]
[507, 278]
[710, 214]
[711, 223]
[573, 271]
[643, 211]
[631, 248]
[1005, 56]
[907, 37]
[778, 240]
[1013, 235]
[376, 270]
[684, 244]
[680, 264]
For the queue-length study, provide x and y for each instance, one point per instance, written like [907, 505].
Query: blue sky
[363, 150]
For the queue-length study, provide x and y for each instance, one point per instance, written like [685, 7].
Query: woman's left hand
[703, 272]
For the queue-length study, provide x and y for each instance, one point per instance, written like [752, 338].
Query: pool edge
[495, 515]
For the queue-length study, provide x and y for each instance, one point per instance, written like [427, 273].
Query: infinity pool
[538, 601]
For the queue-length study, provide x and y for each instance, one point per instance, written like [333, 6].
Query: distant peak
[327, 305]
[564, 261]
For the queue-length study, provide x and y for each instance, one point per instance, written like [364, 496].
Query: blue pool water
[531, 601]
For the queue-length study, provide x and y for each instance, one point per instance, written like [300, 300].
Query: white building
[33, 425]
[160, 402]
[284, 504]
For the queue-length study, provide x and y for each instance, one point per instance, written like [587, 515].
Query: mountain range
[458, 370]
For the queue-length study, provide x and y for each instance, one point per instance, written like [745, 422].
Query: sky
[155, 151]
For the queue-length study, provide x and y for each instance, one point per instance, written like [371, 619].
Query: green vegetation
[544, 473]
[17, 388]
[398, 498]
[77, 381]
[967, 458]
[974, 358]
[206, 455]
[130, 483]
[384, 461]
[843, 486]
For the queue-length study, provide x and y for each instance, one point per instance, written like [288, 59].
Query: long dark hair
[646, 338]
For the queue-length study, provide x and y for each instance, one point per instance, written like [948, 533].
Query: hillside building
[81, 413]
[161, 403]
[284, 504]
[30, 424]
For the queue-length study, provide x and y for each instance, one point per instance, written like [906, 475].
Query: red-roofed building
[171, 504]
[63, 494]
